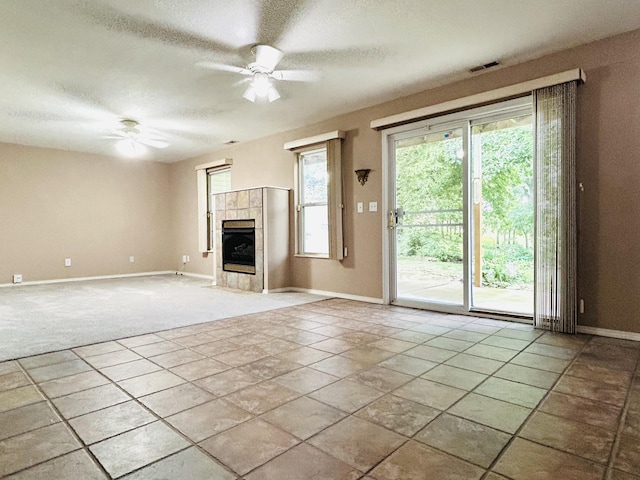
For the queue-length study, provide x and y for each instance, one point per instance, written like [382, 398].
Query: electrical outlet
[17, 278]
[184, 259]
[132, 259]
[67, 262]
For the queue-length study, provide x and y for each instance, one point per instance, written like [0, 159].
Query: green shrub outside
[503, 265]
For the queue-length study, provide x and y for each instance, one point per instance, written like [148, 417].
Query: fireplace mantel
[269, 208]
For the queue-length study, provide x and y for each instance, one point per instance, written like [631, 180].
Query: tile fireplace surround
[269, 207]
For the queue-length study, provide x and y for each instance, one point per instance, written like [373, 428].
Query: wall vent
[479, 68]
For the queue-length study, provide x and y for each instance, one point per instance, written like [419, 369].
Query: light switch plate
[373, 206]
[360, 207]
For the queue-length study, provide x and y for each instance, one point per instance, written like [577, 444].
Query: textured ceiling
[71, 69]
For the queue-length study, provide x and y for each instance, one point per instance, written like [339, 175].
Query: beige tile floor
[331, 390]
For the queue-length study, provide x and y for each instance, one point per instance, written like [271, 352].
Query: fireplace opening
[238, 246]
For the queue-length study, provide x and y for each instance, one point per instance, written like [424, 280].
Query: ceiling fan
[132, 141]
[262, 73]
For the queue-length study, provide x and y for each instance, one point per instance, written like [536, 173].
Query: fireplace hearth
[238, 246]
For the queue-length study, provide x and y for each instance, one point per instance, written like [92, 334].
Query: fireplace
[238, 246]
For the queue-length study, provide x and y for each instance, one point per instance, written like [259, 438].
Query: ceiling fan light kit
[261, 87]
[130, 148]
[262, 73]
[132, 142]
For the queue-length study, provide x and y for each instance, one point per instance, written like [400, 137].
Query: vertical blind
[555, 306]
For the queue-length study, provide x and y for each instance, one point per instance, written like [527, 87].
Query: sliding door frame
[464, 119]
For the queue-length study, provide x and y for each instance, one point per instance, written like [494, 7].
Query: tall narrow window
[318, 195]
[313, 206]
[218, 181]
[211, 178]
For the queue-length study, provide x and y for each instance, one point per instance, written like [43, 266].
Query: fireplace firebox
[238, 246]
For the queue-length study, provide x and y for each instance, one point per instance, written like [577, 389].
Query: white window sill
[311, 255]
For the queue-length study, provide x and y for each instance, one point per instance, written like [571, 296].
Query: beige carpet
[44, 318]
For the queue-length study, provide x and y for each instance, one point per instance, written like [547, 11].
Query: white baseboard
[197, 275]
[605, 332]
[82, 279]
[277, 290]
[325, 293]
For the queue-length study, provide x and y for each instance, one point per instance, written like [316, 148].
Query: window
[313, 206]
[211, 178]
[218, 181]
[318, 195]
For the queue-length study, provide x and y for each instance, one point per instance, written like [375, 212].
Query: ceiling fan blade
[118, 20]
[223, 67]
[268, 57]
[240, 82]
[278, 17]
[152, 143]
[115, 136]
[149, 134]
[296, 75]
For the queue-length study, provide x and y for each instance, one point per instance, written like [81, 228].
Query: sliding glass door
[461, 211]
[502, 214]
[429, 215]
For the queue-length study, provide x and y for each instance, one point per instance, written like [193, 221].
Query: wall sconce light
[363, 175]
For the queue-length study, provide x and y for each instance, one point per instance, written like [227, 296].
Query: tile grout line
[85, 446]
[135, 399]
[623, 416]
[65, 421]
[535, 410]
[388, 393]
[446, 411]
[191, 443]
[411, 438]
[349, 377]
[348, 414]
[254, 416]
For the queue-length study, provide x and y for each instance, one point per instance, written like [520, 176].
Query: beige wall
[95, 210]
[265, 162]
[608, 166]
[99, 210]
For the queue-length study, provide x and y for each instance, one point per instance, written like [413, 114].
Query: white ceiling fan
[262, 73]
[132, 141]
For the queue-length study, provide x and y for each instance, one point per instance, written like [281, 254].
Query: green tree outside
[429, 189]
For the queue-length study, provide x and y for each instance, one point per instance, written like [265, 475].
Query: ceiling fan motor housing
[130, 125]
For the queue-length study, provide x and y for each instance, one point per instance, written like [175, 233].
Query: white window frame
[202, 185]
[211, 207]
[302, 204]
[332, 143]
